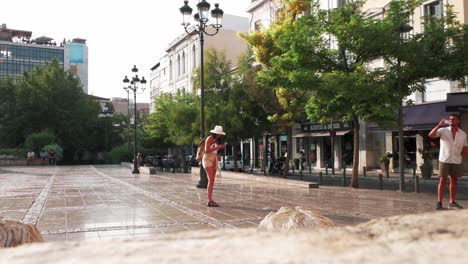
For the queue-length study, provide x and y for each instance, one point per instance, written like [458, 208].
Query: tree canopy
[47, 99]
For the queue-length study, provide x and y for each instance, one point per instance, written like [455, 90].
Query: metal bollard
[326, 170]
[414, 172]
[310, 169]
[364, 171]
[320, 178]
[416, 183]
[344, 176]
[380, 181]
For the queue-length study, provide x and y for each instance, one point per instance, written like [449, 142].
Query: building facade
[126, 107]
[19, 52]
[315, 139]
[430, 106]
[175, 68]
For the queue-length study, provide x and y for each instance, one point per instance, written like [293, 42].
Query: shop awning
[321, 134]
[457, 102]
[418, 117]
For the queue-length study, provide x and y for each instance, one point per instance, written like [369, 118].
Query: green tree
[347, 88]
[285, 110]
[425, 55]
[9, 128]
[228, 98]
[175, 120]
[37, 141]
[50, 99]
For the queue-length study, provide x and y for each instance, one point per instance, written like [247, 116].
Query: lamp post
[405, 28]
[135, 84]
[200, 28]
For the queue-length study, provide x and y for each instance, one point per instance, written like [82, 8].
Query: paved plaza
[108, 202]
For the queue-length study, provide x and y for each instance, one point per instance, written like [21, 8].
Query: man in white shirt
[453, 143]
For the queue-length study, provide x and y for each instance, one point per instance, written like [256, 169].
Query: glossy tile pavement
[108, 202]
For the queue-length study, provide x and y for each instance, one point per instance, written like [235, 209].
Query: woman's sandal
[212, 204]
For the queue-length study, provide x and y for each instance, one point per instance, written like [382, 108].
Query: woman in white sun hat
[210, 160]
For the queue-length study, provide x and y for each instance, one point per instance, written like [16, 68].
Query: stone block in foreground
[439, 237]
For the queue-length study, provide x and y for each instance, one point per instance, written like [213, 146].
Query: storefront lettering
[326, 127]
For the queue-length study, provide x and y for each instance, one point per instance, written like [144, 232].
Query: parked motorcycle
[276, 167]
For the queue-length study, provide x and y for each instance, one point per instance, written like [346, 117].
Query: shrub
[119, 154]
[14, 153]
[37, 141]
[123, 154]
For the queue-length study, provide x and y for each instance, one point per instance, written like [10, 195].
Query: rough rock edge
[424, 238]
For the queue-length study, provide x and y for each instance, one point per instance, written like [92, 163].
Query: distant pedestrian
[30, 155]
[301, 159]
[210, 160]
[139, 159]
[453, 142]
[43, 154]
[52, 160]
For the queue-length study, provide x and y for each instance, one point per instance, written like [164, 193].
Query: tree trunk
[289, 151]
[354, 177]
[234, 157]
[184, 162]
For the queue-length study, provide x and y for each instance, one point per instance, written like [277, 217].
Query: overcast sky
[118, 33]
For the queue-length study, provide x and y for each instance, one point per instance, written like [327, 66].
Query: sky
[118, 33]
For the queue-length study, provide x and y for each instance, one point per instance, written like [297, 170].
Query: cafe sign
[337, 126]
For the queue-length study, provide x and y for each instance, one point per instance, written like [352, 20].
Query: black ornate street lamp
[200, 28]
[134, 85]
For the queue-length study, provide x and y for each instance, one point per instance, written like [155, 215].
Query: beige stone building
[430, 106]
[175, 68]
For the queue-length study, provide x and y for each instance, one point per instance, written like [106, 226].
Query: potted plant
[426, 168]
[385, 161]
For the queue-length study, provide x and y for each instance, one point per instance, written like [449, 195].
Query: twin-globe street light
[200, 27]
[135, 84]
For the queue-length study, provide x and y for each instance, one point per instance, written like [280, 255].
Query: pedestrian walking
[52, 160]
[453, 143]
[210, 160]
[139, 159]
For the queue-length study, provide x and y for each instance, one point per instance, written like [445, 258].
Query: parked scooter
[276, 167]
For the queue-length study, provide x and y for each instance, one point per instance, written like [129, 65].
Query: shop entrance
[409, 143]
[327, 157]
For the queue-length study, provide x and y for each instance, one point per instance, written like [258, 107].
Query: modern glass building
[19, 53]
[16, 58]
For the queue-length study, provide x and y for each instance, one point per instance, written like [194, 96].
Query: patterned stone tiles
[108, 202]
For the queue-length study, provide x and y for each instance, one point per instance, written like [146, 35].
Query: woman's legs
[210, 173]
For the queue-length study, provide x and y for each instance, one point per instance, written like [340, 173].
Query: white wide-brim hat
[218, 130]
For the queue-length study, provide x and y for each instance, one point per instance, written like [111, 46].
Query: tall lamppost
[200, 28]
[405, 28]
[135, 84]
